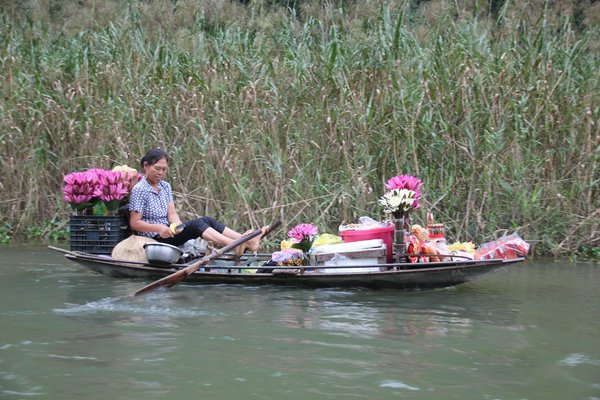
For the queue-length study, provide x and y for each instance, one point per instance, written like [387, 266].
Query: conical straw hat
[132, 249]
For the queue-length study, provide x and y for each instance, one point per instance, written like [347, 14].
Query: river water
[527, 332]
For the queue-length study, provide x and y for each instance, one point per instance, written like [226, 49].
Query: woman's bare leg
[252, 244]
[229, 235]
[223, 239]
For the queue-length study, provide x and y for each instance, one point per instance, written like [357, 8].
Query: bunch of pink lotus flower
[303, 231]
[406, 182]
[304, 235]
[83, 189]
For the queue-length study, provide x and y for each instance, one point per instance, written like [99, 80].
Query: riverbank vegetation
[303, 109]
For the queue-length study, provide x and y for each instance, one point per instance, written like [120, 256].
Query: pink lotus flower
[110, 186]
[79, 187]
[303, 231]
[406, 182]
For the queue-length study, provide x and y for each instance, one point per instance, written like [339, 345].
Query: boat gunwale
[394, 270]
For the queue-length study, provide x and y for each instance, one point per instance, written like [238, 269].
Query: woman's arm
[172, 215]
[137, 224]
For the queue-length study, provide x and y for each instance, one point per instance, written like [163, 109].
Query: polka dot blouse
[151, 204]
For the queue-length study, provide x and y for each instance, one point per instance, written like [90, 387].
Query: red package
[507, 247]
[413, 247]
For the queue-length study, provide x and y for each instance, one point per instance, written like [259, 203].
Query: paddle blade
[167, 281]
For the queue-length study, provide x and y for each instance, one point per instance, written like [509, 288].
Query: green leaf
[304, 245]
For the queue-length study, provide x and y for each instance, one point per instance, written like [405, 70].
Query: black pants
[192, 230]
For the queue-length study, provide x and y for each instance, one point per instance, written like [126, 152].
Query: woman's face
[156, 172]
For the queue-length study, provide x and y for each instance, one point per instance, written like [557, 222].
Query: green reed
[306, 113]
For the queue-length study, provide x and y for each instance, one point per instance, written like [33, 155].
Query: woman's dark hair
[153, 156]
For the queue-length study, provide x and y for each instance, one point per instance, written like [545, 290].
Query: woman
[153, 214]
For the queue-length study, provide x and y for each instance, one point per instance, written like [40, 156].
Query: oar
[176, 277]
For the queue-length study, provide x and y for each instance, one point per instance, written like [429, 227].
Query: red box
[386, 234]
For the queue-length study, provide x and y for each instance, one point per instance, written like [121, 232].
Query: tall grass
[305, 113]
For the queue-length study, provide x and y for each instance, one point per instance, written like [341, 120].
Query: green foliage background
[303, 109]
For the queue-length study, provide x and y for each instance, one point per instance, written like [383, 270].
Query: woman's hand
[165, 232]
[176, 228]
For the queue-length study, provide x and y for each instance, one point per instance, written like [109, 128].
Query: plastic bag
[288, 243]
[508, 247]
[338, 259]
[468, 247]
[195, 247]
[364, 223]
[327, 238]
[442, 249]
[288, 257]
[462, 255]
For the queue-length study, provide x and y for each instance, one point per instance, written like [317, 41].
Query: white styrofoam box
[349, 246]
[353, 262]
[356, 261]
[364, 252]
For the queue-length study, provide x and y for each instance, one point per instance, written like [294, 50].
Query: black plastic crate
[96, 234]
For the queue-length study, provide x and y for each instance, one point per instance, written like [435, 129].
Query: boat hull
[396, 276]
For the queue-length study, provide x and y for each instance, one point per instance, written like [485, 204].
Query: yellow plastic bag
[326, 238]
[469, 247]
[287, 244]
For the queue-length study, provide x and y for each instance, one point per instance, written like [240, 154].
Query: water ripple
[75, 358]
[112, 305]
[26, 394]
[575, 359]
[398, 385]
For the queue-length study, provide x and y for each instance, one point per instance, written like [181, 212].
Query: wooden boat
[251, 271]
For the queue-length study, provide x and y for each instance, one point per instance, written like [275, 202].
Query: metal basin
[162, 253]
